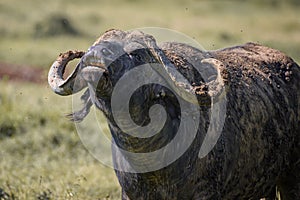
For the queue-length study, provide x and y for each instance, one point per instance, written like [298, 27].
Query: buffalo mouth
[96, 64]
[92, 59]
[92, 73]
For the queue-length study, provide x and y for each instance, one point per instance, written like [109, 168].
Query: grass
[215, 24]
[41, 155]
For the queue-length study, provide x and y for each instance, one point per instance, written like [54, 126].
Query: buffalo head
[112, 55]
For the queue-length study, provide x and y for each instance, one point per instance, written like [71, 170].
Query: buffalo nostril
[88, 57]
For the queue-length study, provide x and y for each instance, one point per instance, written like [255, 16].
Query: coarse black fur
[259, 145]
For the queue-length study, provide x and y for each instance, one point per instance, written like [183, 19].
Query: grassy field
[41, 155]
[30, 34]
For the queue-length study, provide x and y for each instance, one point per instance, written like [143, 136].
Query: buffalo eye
[105, 52]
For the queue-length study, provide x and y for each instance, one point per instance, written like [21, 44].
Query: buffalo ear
[177, 81]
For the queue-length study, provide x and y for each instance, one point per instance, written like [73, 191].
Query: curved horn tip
[213, 61]
[56, 72]
[216, 87]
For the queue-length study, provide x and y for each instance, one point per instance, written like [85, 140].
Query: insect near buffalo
[257, 88]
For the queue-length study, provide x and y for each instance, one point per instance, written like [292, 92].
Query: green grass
[215, 24]
[41, 151]
[41, 154]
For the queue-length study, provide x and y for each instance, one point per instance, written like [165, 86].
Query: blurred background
[41, 156]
